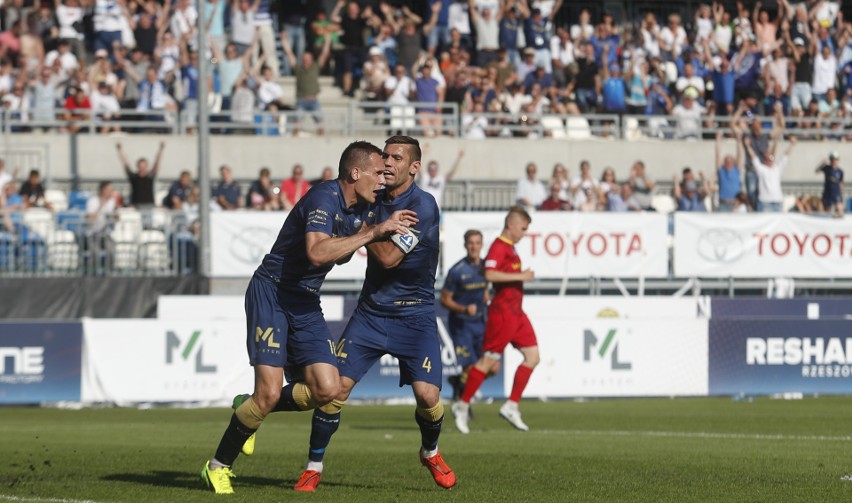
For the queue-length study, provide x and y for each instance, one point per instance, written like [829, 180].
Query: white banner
[616, 357]
[132, 361]
[615, 306]
[762, 245]
[578, 245]
[240, 239]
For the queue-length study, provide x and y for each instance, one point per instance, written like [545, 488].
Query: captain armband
[405, 242]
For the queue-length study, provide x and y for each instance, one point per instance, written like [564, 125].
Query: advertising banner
[616, 357]
[761, 245]
[779, 356]
[578, 245]
[227, 307]
[131, 361]
[539, 307]
[806, 308]
[40, 362]
[239, 240]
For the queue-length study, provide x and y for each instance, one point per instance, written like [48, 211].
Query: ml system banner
[764, 245]
[40, 362]
[131, 361]
[576, 245]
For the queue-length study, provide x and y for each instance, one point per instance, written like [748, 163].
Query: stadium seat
[577, 128]
[849, 205]
[153, 252]
[7, 251]
[632, 131]
[159, 196]
[184, 251]
[124, 239]
[402, 117]
[77, 200]
[72, 220]
[63, 252]
[57, 199]
[553, 126]
[789, 202]
[663, 203]
[39, 221]
[156, 218]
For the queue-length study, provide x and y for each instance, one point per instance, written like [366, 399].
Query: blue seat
[849, 205]
[77, 200]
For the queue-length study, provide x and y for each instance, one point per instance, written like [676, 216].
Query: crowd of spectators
[510, 56]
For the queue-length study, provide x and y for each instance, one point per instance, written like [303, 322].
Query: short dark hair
[355, 154]
[520, 211]
[103, 184]
[414, 152]
[469, 234]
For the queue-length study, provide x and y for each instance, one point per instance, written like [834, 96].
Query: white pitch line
[697, 434]
[36, 499]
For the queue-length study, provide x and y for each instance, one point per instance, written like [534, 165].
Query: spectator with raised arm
[690, 193]
[728, 175]
[769, 173]
[142, 180]
[435, 183]
[307, 73]
[642, 186]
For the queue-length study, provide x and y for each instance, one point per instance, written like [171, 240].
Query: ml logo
[173, 343]
[590, 341]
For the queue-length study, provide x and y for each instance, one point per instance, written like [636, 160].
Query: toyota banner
[765, 245]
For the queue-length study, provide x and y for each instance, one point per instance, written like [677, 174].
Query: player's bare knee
[266, 399]
[427, 395]
[325, 391]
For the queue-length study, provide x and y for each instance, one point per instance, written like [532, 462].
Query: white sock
[215, 464]
[428, 454]
[463, 406]
[314, 465]
[511, 405]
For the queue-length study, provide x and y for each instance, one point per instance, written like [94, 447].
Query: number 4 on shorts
[427, 365]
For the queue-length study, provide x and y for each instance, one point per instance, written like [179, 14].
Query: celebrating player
[395, 315]
[465, 296]
[285, 324]
[506, 323]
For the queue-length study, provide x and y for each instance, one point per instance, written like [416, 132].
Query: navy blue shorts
[283, 331]
[467, 336]
[413, 340]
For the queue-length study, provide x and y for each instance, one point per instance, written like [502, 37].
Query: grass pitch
[707, 449]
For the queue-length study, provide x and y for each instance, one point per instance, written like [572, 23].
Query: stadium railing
[359, 118]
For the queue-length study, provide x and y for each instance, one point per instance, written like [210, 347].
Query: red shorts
[503, 328]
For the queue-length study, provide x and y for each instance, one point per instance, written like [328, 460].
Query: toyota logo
[251, 244]
[720, 245]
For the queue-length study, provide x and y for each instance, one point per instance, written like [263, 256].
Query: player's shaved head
[356, 154]
[517, 212]
[414, 152]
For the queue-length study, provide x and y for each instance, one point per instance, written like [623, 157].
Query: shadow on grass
[185, 480]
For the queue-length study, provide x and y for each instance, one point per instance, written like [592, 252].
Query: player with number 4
[395, 315]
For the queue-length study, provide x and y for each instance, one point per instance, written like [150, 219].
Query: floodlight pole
[203, 143]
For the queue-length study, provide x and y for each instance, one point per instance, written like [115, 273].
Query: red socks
[522, 377]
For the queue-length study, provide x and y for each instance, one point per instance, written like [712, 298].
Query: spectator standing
[107, 24]
[230, 68]
[154, 95]
[433, 182]
[688, 116]
[581, 183]
[588, 79]
[178, 192]
[353, 24]
[769, 172]
[293, 17]
[689, 192]
[266, 36]
[641, 185]
[746, 66]
[375, 71]
[69, 17]
[5, 177]
[77, 108]
[141, 181]
[294, 188]
[307, 82]
[243, 30]
[530, 192]
[429, 89]
[672, 38]
[45, 93]
[214, 15]
[613, 89]
[227, 194]
[100, 209]
[536, 33]
[825, 72]
[728, 175]
[487, 24]
[510, 25]
[832, 190]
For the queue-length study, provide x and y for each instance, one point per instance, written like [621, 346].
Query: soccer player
[465, 296]
[285, 324]
[395, 315]
[506, 323]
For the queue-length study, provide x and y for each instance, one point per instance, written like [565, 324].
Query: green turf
[708, 449]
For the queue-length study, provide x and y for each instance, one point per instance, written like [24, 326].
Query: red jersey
[503, 257]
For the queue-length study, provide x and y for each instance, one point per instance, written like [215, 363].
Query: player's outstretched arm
[508, 277]
[323, 249]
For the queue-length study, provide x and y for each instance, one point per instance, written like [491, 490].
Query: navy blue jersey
[409, 288]
[466, 282]
[322, 209]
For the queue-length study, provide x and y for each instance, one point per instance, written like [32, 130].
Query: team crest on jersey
[405, 242]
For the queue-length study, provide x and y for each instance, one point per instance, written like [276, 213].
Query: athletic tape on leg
[432, 414]
[250, 414]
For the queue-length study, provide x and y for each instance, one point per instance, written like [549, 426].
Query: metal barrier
[360, 118]
[129, 242]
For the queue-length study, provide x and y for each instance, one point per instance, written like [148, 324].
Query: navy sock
[286, 402]
[323, 427]
[232, 441]
[429, 431]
